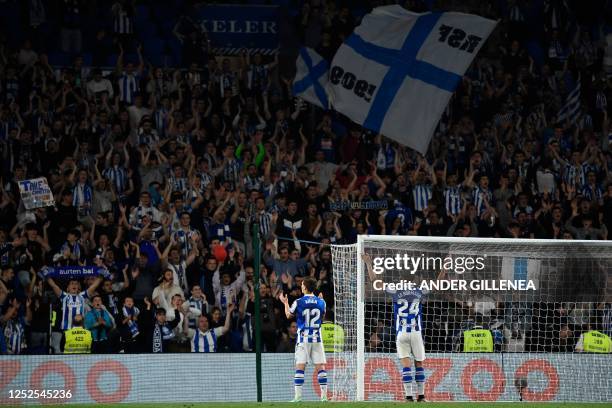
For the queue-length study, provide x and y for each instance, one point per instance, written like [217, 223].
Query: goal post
[360, 323]
[541, 303]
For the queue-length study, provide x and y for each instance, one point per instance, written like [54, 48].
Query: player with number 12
[309, 311]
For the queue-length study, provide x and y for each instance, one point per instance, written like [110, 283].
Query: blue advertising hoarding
[233, 28]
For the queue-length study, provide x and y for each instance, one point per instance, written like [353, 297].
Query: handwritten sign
[35, 193]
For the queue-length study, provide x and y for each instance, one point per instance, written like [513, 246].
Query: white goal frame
[361, 239]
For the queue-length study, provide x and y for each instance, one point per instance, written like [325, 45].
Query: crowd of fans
[161, 174]
[540, 327]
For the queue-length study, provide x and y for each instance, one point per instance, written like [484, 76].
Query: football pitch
[307, 404]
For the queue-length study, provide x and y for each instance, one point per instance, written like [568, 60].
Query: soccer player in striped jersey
[73, 301]
[204, 338]
[309, 311]
[407, 312]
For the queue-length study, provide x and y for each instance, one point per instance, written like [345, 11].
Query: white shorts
[309, 353]
[410, 345]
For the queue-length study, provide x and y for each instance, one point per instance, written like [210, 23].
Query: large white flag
[396, 73]
[311, 78]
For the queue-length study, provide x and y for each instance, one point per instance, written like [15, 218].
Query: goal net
[545, 307]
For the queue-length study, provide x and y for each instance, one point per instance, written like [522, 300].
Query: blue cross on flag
[396, 73]
[311, 78]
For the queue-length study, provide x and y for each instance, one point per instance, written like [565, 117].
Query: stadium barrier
[229, 377]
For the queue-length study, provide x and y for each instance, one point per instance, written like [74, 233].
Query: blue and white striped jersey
[122, 23]
[206, 342]
[184, 240]
[179, 183]
[575, 174]
[231, 172]
[206, 179]
[179, 274]
[253, 183]
[407, 310]
[264, 219]
[421, 193]
[5, 251]
[72, 305]
[161, 121]
[15, 336]
[82, 197]
[199, 304]
[309, 311]
[129, 85]
[117, 175]
[149, 139]
[478, 196]
[452, 199]
[592, 192]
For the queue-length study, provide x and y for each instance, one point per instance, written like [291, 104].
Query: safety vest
[596, 342]
[333, 337]
[78, 341]
[477, 341]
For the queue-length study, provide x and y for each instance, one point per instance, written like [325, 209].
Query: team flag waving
[396, 73]
[311, 78]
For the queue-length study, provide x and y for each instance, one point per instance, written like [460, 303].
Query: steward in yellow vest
[595, 342]
[477, 341]
[78, 339]
[333, 337]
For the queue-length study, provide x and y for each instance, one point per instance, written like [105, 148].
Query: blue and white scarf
[132, 325]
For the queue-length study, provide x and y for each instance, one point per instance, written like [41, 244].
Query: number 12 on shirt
[312, 318]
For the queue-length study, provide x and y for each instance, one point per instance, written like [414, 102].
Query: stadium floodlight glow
[545, 306]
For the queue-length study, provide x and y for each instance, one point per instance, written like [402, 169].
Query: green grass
[347, 405]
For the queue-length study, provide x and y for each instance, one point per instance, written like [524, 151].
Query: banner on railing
[233, 28]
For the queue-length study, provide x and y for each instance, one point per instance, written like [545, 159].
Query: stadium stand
[162, 155]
